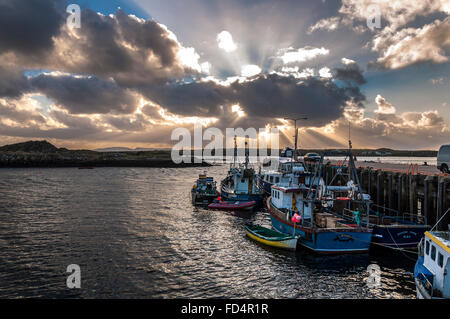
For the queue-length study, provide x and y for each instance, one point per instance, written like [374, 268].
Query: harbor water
[135, 234]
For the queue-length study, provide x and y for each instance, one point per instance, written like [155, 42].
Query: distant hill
[30, 147]
[127, 149]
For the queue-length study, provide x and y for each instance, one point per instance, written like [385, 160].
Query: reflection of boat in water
[271, 237]
[241, 184]
[432, 269]
[204, 190]
[227, 205]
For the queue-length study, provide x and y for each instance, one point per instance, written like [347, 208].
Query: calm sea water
[135, 234]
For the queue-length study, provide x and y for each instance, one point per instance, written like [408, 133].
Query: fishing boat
[266, 179]
[240, 185]
[204, 190]
[319, 230]
[271, 237]
[227, 205]
[388, 230]
[432, 269]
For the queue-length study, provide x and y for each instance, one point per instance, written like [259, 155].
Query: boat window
[277, 179]
[427, 247]
[271, 179]
[433, 252]
[440, 260]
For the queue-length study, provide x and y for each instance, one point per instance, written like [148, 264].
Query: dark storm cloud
[27, 26]
[86, 95]
[148, 35]
[266, 97]
[351, 74]
[12, 82]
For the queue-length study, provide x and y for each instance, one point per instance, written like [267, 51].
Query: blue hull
[322, 240]
[258, 198]
[406, 237]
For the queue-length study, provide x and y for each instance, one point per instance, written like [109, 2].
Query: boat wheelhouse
[204, 190]
[432, 270]
[269, 178]
[241, 183]
[318, 230]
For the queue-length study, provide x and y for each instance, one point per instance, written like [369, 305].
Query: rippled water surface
[135, 234]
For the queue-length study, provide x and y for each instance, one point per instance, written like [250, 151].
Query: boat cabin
[437, 261]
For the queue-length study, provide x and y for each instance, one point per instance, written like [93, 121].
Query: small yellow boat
[271, 237]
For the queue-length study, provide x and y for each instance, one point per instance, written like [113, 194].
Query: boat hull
[199, 199]
[398, 236]
[227, 196]
[323, 241]
[233, 206]
[289, 243]
[423, 279]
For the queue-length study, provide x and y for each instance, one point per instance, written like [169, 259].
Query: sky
[136, 70]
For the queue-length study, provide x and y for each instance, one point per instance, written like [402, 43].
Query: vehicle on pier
[443, 159]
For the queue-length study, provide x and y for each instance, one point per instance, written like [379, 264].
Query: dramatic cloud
[409, 46]
[397, 45]
[301, 55]
[250, 70]
[27, 27]
[225, 42]
[269, 96]
[86, 95]
[12, 82]
[325, 24]
[383, 106]
[412, 130]
[351, 74]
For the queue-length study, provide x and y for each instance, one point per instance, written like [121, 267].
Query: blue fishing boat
[204, 191]
[241, 184]
[319, 230]
[432, 269]
[388, 231]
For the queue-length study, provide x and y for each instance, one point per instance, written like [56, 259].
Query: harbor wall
[412, 196]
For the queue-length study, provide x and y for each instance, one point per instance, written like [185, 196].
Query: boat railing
[414, 218]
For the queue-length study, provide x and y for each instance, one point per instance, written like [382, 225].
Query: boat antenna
[349, 135]
[296, 133]
[235, 151]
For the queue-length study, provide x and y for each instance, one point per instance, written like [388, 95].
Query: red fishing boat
[227, 205]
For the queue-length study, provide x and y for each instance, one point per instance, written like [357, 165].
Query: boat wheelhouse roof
[291, 189]
[442, 238]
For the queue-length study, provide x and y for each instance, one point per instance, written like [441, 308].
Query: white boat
[432, 270]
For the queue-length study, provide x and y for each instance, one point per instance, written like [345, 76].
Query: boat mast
[296, 133]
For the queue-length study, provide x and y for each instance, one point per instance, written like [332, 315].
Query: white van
[443, 159]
